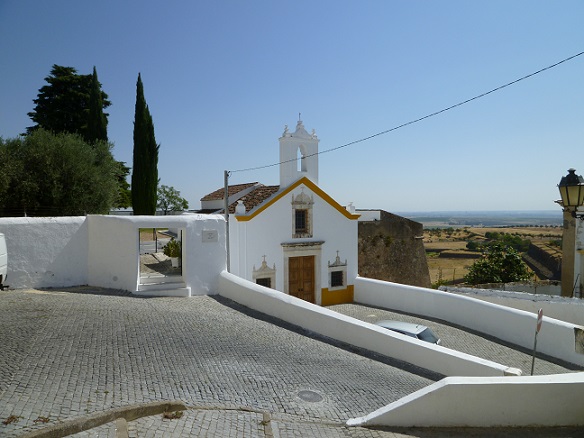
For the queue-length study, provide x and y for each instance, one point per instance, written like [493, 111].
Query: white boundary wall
[557, 338]
[46, 251]
[562, 308]
[554, 400]
[355, 332]
[114, 250]
[104, 250]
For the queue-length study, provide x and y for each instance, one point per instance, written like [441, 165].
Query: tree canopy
[505, 239]
[145, 166]
[64, 104]
[74, 103]
[169, 199]
[499, 264]
[47, 174]
[96, 119]
[124, 193]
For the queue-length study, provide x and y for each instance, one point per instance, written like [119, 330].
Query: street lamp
[571, 189]
[572, 192]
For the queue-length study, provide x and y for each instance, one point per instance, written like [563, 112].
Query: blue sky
[222, 78]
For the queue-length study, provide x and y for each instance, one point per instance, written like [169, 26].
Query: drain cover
[310, 396]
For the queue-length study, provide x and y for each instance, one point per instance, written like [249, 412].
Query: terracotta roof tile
[231, 190]
[255, 198]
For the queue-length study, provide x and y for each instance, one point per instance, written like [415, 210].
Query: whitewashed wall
[265, 233]
[557, 307]
[355, 332]
[554, 400]
[104, 250]
[369, 215]
[481, 401]
[46, 252]
[556, 338]
[114, 250]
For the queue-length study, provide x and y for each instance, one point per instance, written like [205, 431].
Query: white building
[293, 237]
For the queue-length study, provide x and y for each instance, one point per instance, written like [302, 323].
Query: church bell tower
[298, 155]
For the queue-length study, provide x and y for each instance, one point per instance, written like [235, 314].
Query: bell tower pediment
[298, 155]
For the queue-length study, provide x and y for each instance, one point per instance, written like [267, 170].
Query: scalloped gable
[308, 183]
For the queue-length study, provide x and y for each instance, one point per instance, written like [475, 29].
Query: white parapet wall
[355, 332]
[558, 339]
[558, 307]
[46, 251]
[114, 250]
[554, 400]
[104, 250]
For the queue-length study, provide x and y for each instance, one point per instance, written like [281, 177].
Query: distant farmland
[487, 218]
[449, 259]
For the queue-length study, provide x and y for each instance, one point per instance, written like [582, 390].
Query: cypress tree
[96, 122]
[145, 168]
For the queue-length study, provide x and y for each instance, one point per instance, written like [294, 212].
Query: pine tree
[145, 168]
[96, 122]
[63, 104]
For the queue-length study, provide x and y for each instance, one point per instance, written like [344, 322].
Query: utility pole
[226, 196]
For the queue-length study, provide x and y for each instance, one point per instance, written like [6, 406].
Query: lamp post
[571, 189]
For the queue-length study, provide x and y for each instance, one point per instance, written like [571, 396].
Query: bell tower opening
[299, 162]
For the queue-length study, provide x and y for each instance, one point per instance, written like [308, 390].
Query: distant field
[449, 260]
[447, 269]
[486, 218]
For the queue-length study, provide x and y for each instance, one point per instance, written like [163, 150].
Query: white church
[292, 237]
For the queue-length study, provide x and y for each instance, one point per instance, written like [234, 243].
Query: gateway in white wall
[293, 237]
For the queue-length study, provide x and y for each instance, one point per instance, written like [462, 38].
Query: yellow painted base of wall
[339, 296]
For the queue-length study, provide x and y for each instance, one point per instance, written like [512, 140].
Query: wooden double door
[301, 277]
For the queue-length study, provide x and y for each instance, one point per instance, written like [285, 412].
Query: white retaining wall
[535, 288]
[548, 287]
[562, 308]
[556, 338]
[355, 332]
[554, 400]
[46, 251]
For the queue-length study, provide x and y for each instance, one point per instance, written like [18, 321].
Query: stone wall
[545, 261]
[392, 249]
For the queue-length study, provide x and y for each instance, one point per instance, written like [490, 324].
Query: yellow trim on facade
[308, 183]
[340, 296]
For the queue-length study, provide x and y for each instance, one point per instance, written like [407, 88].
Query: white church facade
[293, 237]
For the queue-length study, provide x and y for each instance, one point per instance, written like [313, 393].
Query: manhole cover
[310, 396]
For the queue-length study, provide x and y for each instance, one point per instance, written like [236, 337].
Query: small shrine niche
[265, 276]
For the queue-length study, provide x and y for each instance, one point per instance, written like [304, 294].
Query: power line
[411, 122]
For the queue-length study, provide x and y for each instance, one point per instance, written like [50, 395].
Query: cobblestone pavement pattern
[70, 353]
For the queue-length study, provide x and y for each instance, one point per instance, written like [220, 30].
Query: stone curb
[121, 428]
[127, 413]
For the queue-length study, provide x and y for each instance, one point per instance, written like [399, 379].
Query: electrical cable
[411, 122]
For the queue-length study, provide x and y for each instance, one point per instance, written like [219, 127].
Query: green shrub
[173, 248]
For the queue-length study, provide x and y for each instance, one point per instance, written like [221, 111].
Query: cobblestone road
[68, 354]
